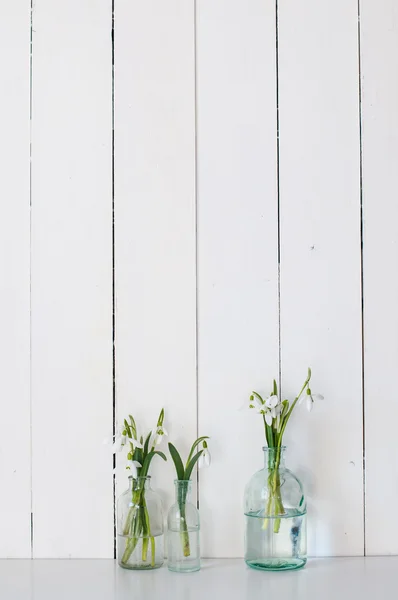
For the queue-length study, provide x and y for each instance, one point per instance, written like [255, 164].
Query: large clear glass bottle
[275, 515]
[140, 526]
[183, 527]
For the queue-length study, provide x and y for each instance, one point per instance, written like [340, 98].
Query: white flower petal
[204, 459]
[136, 443]
[158, 439]
[133, 464]
[118, 444]
[272, 401]
[257, 403]
[318, 397]
[268, 418]
[309, 403]
[164, 431]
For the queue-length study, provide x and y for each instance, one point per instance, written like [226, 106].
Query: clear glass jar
[140, 539]
[275, 515]
[183, 531]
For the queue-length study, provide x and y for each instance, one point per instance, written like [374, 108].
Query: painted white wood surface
[155, 222]
[155, 254]
[379, 40]
[343, 578]
[237, 251]
[72, 278]
[15, 279]
[321, 261]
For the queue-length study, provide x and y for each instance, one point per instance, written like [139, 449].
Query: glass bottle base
[192, 569]
[277, 564]
[143, 567]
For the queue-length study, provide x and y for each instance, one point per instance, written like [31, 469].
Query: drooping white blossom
[312, 398]
[133, 465]
[158, 436]
[205, 458]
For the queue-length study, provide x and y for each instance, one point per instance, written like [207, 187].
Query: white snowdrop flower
[133, 465]
[159, 433]
[205, 458]
[312, 398]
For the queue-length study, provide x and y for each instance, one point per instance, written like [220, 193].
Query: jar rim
[274, 448]
[139, 477]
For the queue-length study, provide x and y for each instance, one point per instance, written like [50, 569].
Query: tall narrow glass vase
[140, 526]
[275, 515]
[183, 526]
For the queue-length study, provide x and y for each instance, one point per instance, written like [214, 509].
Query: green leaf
[275, 389]
[189, 469]
[195, 445]
[127, 427]
[146, 445]
[147, 461]
[133, 427]
[161, 454]
[258, 396]
[177, 461]
[285, 408]
[270, 436]
[138, 455]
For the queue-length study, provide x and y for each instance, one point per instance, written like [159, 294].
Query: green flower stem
[184, 534]
[147, 534]
[282, 431]
[131, 545]
[137, 526]
[275, 503]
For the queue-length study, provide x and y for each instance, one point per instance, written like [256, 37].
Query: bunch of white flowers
[140, 450]
[276, 413]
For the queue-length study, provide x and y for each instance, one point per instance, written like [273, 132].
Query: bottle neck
[183, 490]
[274, 458]
[140, 483]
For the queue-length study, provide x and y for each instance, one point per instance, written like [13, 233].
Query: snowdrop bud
[161, 418]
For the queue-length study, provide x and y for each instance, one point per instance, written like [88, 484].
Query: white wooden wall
[197, 197]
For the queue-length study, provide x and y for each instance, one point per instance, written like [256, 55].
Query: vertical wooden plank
[321, 261]
[15, 280]
[155, 221]
[237, 241]
[72, 278]
[379, 58]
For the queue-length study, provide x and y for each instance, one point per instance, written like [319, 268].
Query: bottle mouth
[274, 448]
[139, 478]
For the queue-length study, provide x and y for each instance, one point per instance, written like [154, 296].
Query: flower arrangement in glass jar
[275, 506]
[183, 524]
[140, 514]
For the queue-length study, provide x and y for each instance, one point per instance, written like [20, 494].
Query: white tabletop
[322, 579]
